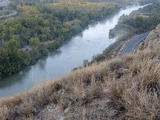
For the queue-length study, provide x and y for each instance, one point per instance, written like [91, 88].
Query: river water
[84, 46]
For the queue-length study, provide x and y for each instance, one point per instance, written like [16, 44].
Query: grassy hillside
[127, 87]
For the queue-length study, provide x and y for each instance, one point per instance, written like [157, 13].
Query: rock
[158, 26]
[66, 110]
[122, 71]
[112, 113]
[156, 60]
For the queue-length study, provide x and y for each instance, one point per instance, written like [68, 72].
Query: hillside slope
[127, 87]
[152, 40]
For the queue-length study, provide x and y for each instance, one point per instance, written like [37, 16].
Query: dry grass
[132, 83]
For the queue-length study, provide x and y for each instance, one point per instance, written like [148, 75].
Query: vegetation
[138, 22]
[127, 87]
[142, 25]
[12, 59]
[41, 28]
[122, 88]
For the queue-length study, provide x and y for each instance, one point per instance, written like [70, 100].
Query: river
[84, 46]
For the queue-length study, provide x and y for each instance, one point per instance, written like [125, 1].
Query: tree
[34, 42]
[12, 46]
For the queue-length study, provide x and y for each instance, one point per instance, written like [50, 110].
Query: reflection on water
[89, 43]
[17, 78]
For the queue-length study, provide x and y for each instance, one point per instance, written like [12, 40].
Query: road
[134, 42]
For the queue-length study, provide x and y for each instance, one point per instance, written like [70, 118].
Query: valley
[80, 60]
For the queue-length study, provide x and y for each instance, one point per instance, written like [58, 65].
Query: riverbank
[113, 89]
[125, 87]
[55, 24]
[121, 48]
[35, 42]
[131, 31]
[55, 66]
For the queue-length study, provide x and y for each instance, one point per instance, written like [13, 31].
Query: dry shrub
[6, 113]
[141, 99]
[141, 105]
[96, 89]
[115, 64]
[140, 89]
[132, 82]
[27, 108]
[79, 92]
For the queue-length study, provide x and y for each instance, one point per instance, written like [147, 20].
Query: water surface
[90, 42]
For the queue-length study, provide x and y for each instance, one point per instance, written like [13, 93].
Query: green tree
[34, 42]
[12, 46]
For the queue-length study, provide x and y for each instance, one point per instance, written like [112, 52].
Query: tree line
[39, 29]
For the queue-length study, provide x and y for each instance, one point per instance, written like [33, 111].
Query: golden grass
[86, 4]
[132, 82]
[71, 5]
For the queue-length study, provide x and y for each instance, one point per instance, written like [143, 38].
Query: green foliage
[43, 27]
[12, 62]
[53, 21]
[55, 45]
[43, 50]
[12, 46]
[149, 18]
[35, 42]
[141, 24]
